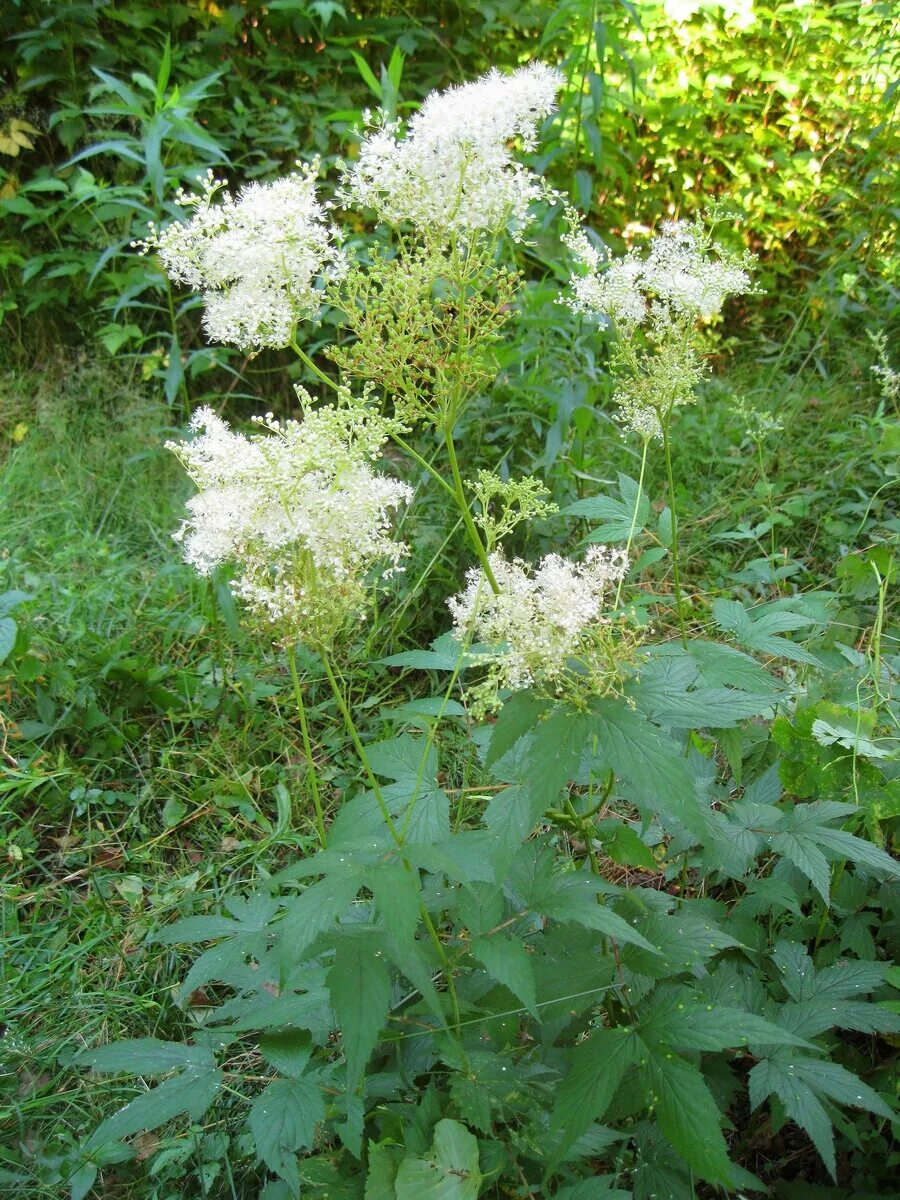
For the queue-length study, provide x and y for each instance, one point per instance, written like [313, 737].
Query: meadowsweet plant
[883, 370]
[545, 627]
[299, 511]
[259, 258]
[452, 174]
[466, 990]
[657, 300]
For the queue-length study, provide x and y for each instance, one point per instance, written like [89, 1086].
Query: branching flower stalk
[761, 425]
[312, 778]
[656, 303]
[634, 514]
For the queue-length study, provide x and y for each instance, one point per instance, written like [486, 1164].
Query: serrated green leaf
[798, 1082]
[450, 1172]
[599, 1187]
[574, 899]
[622, 844]
[858, 850]
[406, 757]
[8, 631]
[283, 1119]
[678, 1018]
[668, 694]
[360, 988]
[288, 1050]
[190, 930]
[770, 1077]
[635, 499]
[758, 631]
[724, 666]
[145, 1056]
[687, 1113]
[598, 1065]
[812, 1017]
[513, 813]
[191, 1092]
[616, 517]
[803, 981]
[519, 714]
[382, 1172]
[506, 960]
[317, 908]
[800, 849]
[554, 754]
[397, 895]
[651, 762]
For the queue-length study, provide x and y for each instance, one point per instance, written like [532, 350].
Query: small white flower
[256, 257]
[679, 277]
[454, 171]
[538, 618]
[298, 509]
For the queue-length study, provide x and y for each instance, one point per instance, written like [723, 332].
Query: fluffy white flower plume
[682, 279]
[454, 171]
[540, 618]
[298, 509]
[256, 257]
[682, 276]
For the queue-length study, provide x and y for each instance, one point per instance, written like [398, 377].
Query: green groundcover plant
[603, 965]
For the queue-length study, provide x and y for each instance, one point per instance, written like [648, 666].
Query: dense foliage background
[151, 764]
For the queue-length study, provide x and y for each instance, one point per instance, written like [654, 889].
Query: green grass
[154, 763]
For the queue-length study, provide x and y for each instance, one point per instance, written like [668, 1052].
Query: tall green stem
[317, 371]
[667, 449]
[423, 463]
[307, 746]
[765, 482]
[392, 828]
[634, 516]
[463, 504]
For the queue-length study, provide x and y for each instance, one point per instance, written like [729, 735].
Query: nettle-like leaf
[680, 1018]
[621, 518]
[670, 691]
[832, 997]
[682, 942]
[283, 1119]
[518, 716]
[190, 1092]
[418, 805]
[801, 1083]
[146, 1056]
[802, 834]
[651, 763]
[449, 1171]
[597, 1067]
[760, 628]
[686, 1111]
[506, 960]
[805, 837]
[360, 987]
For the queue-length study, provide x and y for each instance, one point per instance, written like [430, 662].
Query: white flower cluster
[538, 620]
[679, 278]
[888, 378]
[759, 423]
[298, 509]
[454, 171]
[256, 257]
[683, 278]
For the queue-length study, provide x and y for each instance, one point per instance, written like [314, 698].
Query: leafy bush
[575, 932]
